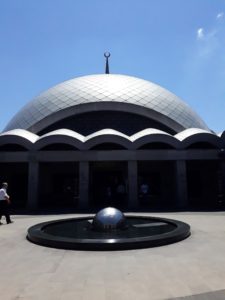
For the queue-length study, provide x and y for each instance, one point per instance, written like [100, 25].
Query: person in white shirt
[4, 203]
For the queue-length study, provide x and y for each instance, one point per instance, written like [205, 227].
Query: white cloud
[209, 41]
[220, 15]
[200, 33]
[213, 33]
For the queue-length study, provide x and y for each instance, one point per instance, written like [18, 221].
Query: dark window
[12, 147]
[202, 145]
[58, 147]
[90, 122]
[156, 146]
[108, 146]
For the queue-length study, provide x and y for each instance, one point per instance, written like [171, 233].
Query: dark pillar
[221, 184]
[33, 179]
[181, 185]
[132, 185]
[83, 184]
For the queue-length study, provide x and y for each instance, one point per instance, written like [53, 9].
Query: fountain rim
[35, 234]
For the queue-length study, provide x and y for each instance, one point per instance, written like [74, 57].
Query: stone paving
[193, 269]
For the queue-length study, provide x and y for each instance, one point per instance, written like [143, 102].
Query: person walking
[4, 203]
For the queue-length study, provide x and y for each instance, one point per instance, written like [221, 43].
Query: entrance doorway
[108, 184]
[59, 184]
[156, 184]
[16, 174]
[204, 185]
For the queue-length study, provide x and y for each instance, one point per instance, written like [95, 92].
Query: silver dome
[106, 88]
[108, 219]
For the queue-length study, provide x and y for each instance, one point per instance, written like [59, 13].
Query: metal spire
[107, 55]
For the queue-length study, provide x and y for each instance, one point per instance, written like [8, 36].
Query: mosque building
[112, 140]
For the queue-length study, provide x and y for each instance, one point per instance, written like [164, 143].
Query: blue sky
[177, 44]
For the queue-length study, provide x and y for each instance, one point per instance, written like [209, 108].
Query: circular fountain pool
[108, 230]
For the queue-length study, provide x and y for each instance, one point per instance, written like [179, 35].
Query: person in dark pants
[4, 203]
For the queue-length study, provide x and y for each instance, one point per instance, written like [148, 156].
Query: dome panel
[106, 88]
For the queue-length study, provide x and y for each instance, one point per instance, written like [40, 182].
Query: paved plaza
[193, 269]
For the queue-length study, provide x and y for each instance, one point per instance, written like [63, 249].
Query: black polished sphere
[108, 219]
